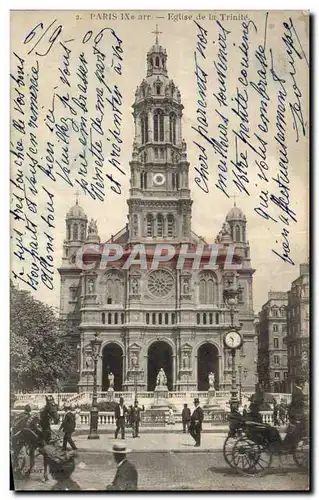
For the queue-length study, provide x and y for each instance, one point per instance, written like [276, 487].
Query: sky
[209, 210]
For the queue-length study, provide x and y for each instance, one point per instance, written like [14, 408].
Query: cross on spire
[233, 196]
[156, 32]
[77, 194]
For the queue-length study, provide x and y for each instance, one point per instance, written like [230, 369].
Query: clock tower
[159, 201]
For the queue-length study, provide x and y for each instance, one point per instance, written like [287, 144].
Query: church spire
[156, 33]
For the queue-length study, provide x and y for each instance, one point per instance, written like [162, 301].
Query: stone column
[174, 372]
[220, 371]
[154, 224]
[179, 130]
[166, 128]
[150, 126]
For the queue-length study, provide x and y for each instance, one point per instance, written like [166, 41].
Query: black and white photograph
[159, 250]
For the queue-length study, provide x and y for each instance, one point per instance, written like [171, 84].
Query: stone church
[167, 318]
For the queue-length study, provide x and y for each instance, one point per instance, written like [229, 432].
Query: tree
[41, 351]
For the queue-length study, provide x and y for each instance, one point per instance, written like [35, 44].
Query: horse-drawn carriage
[250, 445]
[30, 434]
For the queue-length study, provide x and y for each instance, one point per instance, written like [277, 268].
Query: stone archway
[160, 355]
[112, 356]
[207, 361]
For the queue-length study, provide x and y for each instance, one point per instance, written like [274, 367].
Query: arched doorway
[112, 362]
[160, 355]
[207, 361]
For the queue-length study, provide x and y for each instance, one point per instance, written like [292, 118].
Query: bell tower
[159, 202]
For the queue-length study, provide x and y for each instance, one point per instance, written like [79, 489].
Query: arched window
[122, 318]
[147, 318]
[237, 229]
[166, 318]
[144, 128]
[68, 232]
[157, 61]
[160, 225]
[172, 128]
[170, 225]
[75, 232]
[208, 289]
[210, 318]
[244, 233]
[115, 318]
[159, 125]
[175, 180]
[158, 89]
[198, 318]
[149, 225]
[117, 291]
[153, 318]
[109, 318]
[217, 318]
[202, 291]
[103, 318]
[160, 318]
[109, 300]
[82, 232]
[173, 318]
[204, 318]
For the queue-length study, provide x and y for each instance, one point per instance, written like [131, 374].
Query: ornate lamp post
[240, 373]
[233, 341]
[94, 413]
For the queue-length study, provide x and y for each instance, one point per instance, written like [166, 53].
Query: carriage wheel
[228, 449]
[250, 458]
[301, 453]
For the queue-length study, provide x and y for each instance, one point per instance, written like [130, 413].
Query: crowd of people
[62, 463]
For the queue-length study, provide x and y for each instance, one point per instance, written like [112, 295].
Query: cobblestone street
[170, 462]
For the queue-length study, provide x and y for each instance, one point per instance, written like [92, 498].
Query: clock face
[232, 339]
[159, 179]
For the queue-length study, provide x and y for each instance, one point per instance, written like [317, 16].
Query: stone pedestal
[110, 394]
[160, 398]
[211, 401]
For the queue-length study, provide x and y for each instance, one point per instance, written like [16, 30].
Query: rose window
[160, 283]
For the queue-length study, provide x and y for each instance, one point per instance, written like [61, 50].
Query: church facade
[169, 318]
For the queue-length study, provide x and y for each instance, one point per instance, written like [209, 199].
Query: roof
[235, 214]
[77, 212]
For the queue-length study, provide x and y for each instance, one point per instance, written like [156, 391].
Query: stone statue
[134, 286]
[88, 361]
[92, 227]
[185, 286]
[211, 380]
[91, 286]
[111, 381]
[161, 378]
[225, 229]
[186, 363]
[134, 360]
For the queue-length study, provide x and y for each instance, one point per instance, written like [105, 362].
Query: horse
[30, 434]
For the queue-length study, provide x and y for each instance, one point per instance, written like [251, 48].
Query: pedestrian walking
[245, 411]
[275, 415]
[197, 418]
[126, 476]
[120, 413]
[68, 427]
[186, 417]
[136, 418]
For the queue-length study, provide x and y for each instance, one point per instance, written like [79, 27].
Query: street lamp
[233, 341]
[240, 373]
[94, 413]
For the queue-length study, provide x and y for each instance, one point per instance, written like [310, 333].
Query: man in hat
[135, 418]
[68, 427]
[186, 416]
[197, 418]
[120, 411]
[126, 474]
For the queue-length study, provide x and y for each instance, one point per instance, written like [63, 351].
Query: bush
[102, 406]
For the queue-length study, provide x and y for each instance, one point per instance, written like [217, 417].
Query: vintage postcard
[159, 281]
